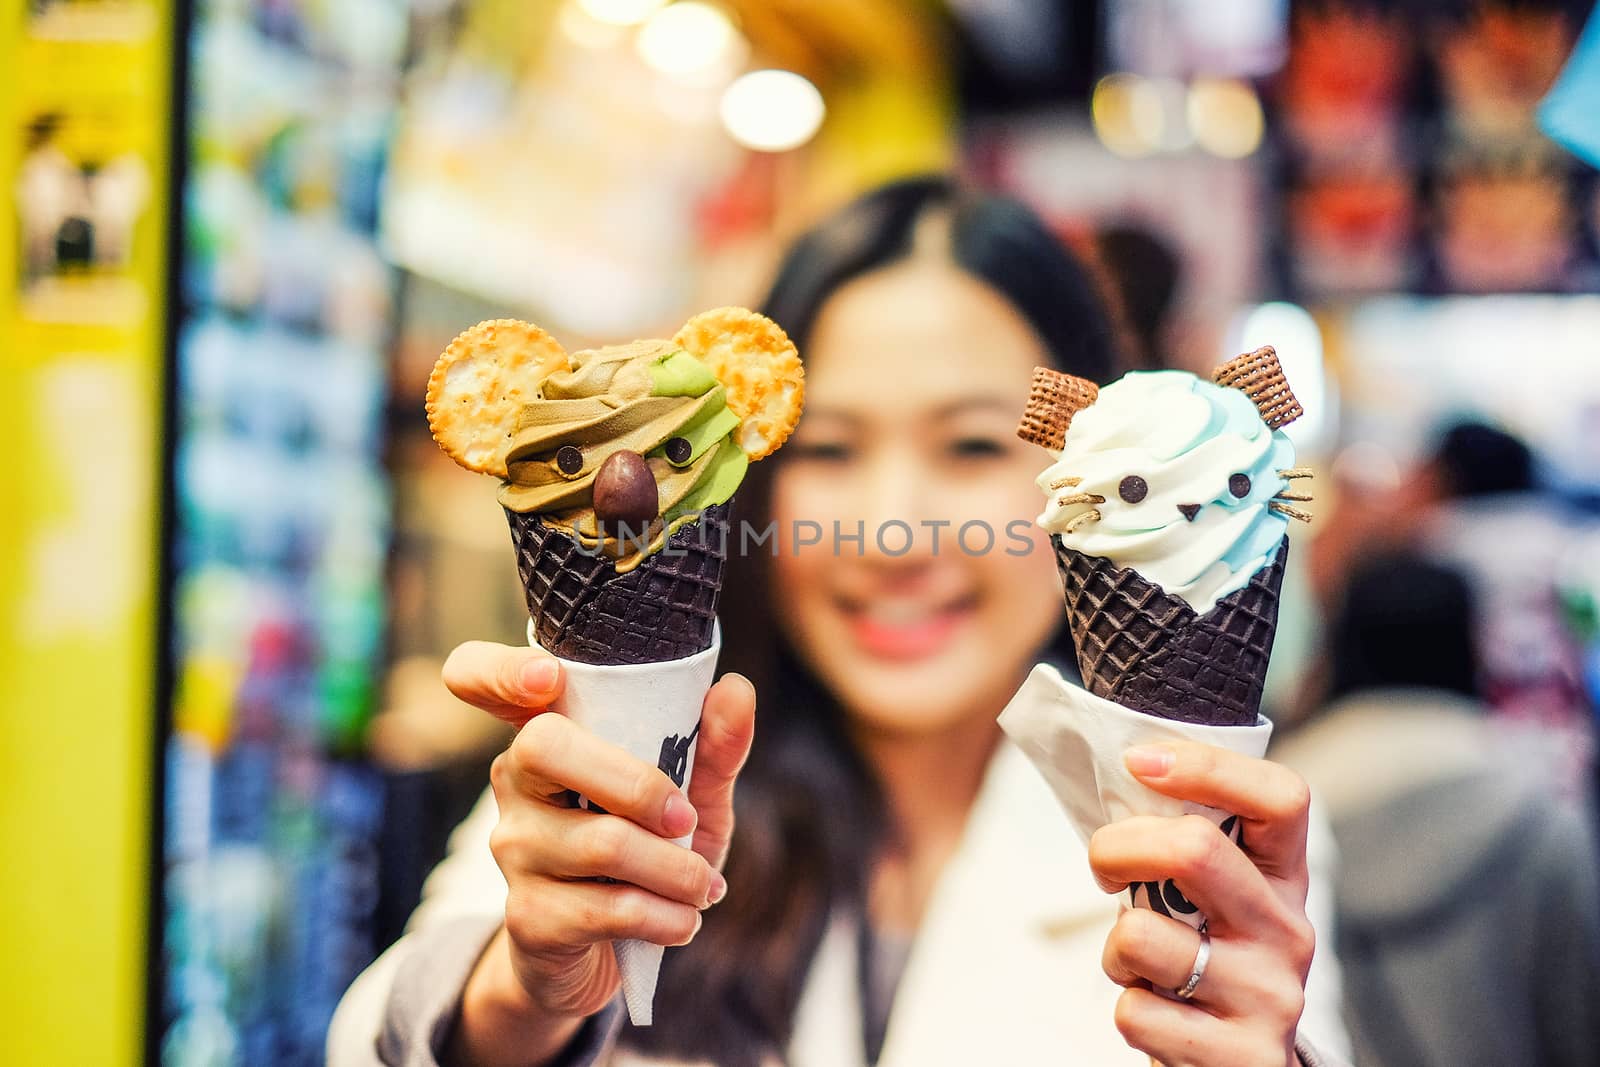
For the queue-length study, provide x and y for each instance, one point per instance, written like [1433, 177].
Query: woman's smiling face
[915, 376]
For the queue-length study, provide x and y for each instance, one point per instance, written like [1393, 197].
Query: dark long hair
[810, 811]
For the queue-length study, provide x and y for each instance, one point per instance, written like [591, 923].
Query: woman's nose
[894, 506]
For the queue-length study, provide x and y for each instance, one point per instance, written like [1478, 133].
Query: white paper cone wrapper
[1077, 739]
[652, 711]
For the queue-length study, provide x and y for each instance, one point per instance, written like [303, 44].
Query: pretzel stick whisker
[1092, 515]
[1293, 513]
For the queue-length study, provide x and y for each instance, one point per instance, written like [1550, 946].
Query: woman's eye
[976, 448]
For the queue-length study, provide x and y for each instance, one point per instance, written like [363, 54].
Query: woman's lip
[910, 638]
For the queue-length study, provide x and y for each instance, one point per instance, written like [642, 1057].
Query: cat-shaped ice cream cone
[1168, 504]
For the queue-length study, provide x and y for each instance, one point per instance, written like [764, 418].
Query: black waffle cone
[1152, 653]
[583, 610]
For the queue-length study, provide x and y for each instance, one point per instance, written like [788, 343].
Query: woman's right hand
[552, 965]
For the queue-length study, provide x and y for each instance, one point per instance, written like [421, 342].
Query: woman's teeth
[906, 630]
[899, 614]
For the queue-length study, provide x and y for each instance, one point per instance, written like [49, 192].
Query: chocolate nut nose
[625, 491]
[1189, 510]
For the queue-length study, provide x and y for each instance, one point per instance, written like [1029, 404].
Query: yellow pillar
[80, 374]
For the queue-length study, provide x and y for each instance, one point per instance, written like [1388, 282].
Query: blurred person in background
[1468, 911]
[901, 888]
[1467, 459]
[1492, 518]
[1476, 502]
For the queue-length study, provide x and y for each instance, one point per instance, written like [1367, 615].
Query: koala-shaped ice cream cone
[616, 467]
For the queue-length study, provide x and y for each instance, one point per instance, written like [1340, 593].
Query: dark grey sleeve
[1564, 903]
[425, 999]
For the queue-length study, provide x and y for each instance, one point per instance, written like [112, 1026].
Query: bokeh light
[1128, 114]
[1294, 333]
[772, 110]
[689, 39]
[1225, 117]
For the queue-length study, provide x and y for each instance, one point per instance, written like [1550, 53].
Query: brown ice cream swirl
[603, 405]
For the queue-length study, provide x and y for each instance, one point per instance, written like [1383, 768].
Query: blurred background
[237, 233]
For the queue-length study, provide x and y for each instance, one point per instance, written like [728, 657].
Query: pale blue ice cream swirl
[1196, 519]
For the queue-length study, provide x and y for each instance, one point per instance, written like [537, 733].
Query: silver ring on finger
[1198, 970]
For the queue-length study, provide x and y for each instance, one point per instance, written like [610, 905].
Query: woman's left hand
[1246, 1007]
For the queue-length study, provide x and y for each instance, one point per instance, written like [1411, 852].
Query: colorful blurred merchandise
[272, 815]
[83, 208]
[1505, 220]
[251, 963]
[1497, 60]
[1347, 79]
[77, 211]
[1354, 232]
[1411, 159]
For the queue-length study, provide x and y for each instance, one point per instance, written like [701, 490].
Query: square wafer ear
[1053, 399]
[1260, 376]
[758, 367]
[481, 382]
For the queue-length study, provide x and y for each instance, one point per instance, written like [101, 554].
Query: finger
[1146, 947]
[1176, 1034]
[1272, 800]
[727, 727]
[552, 754]
[541, 841]
[1240, 980]
[588, 845]
[509, 683]
[554, 916]
[1209, 869]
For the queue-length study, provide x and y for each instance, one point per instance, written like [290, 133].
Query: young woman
[900, 887]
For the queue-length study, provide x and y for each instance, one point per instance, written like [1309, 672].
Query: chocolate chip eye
[1133, 489]
[679, 449]
[569, 460]
[1239, 485]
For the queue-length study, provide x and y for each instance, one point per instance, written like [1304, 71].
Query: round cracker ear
[1260, 377]
[1053, 399]
[479, 385]
[758, 368]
